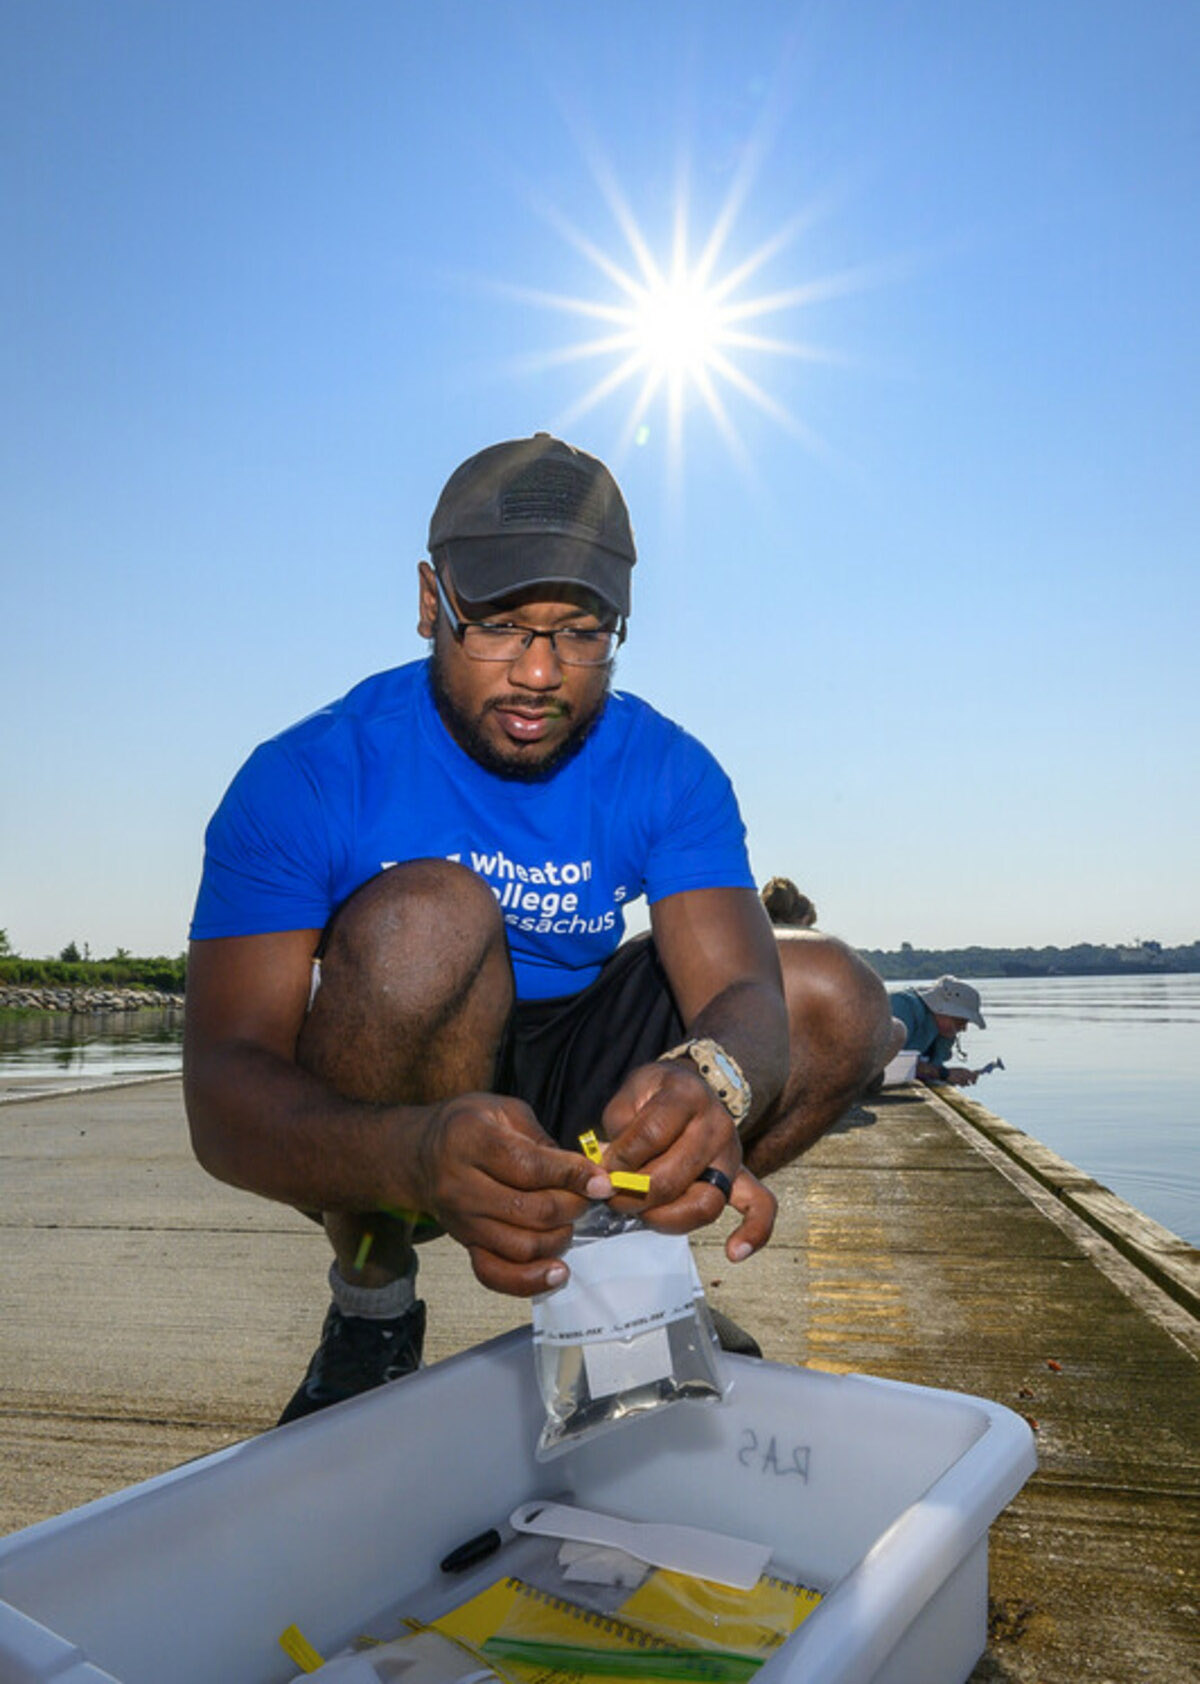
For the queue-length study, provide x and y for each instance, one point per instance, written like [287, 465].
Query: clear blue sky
[269, 276]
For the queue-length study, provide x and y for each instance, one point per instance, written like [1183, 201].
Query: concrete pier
[149, 1315]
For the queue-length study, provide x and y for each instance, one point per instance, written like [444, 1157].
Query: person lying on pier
[407, 991]
[934, 1015]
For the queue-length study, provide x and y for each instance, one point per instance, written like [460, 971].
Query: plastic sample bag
[628, 1332]
[421, 1657]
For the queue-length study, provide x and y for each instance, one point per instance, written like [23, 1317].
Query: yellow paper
[675, 1606]
[512, 1608]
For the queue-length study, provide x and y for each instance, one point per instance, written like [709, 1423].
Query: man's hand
[495, 1181]
[956, 1076]
[666, 1122]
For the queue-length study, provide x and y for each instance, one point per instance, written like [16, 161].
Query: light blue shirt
[922, 1034]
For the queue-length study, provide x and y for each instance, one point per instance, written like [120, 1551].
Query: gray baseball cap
[953, 998]
[534, 512]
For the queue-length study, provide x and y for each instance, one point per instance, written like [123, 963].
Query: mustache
[524, 704]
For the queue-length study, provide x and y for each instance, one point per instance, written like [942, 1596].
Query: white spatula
[685, 1549]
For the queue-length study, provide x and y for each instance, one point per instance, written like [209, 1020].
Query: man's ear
[428, 601]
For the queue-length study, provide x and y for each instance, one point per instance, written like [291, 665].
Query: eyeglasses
[491, 640]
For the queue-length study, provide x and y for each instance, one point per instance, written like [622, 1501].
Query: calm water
[1104, 1070]
[52, 1045]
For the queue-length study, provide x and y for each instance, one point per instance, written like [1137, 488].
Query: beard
[517, 768]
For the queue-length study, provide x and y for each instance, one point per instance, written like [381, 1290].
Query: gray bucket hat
[953, 998]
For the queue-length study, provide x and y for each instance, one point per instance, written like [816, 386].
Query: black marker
[473, 1551]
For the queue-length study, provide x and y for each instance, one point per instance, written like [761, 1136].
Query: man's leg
[415, 990]
[842, 1036]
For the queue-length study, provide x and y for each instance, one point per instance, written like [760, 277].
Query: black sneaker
[355, 1355]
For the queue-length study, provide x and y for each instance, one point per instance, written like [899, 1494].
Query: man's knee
[428, 915]
[841, 1032]
[826, 971]
[411, 950]
[415, 987]
[835, 1000]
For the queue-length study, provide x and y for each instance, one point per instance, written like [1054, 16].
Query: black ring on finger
[718, 1179]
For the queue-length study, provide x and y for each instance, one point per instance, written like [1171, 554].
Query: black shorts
[567, 1057]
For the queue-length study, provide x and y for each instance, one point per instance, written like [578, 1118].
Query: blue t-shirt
[376, 779]
[922, 1033]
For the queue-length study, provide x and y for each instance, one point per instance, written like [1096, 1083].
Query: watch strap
[728, 1084]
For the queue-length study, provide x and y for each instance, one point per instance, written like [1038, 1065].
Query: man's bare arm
[478, 1162]
[257, 1119]
[720, 958]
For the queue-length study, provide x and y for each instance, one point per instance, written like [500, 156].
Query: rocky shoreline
[85, 1001]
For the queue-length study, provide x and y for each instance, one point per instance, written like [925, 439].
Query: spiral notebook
[692, 1630]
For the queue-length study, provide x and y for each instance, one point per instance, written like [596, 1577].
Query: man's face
[951, 1027]
[525, 718]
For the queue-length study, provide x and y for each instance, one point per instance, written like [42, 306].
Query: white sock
[374, 1303]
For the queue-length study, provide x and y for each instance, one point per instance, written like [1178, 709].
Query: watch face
[725, 1066]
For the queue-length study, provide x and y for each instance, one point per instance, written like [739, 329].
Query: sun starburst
[677, 333]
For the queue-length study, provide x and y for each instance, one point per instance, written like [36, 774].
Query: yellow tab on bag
[297, 1648]
[624, 1180]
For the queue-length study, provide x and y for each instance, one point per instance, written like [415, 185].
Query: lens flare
[676, 336]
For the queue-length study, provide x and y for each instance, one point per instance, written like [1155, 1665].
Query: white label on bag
[621, 1365]
[619, 1287]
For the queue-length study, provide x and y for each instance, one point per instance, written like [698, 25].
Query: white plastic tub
[903, 1068]
[878, 1494]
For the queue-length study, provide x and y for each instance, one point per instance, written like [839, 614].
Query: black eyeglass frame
[459, 628]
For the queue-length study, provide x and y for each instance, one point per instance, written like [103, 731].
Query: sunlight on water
[54, 1046]
[1106, 1072]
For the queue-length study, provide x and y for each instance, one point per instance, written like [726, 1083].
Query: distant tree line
[1085, 959]
[76, 969]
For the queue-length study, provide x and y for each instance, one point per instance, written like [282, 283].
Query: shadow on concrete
[861, 1116]
[858, 1117]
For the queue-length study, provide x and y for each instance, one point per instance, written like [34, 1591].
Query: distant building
[1141, 953]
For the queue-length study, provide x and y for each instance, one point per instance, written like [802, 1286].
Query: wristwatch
[720, 1070]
